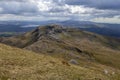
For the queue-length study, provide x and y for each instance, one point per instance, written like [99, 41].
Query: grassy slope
[66, 44]
[17, 64]
[102, 49]
[99, 47]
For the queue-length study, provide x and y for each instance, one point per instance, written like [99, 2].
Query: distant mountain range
[100, 28]
[24, 26]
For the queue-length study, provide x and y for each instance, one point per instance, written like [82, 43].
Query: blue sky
[107, 11]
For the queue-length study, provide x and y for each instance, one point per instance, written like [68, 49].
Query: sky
[105, 11]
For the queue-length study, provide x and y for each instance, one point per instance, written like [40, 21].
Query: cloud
[17, 7]
[99, 4]
[58, 9]
[115, 19]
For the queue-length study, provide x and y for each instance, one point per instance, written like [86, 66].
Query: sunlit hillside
[17, 64]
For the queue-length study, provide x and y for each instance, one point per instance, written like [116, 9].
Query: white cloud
[43, 5]
[79, 9]
[17, 7]
[1, 10]
[52, 9]
[30, 18]
[115, 19]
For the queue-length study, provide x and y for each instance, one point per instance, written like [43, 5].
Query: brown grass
[17, 64]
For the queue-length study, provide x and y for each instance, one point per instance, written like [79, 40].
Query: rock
[113, 73]
[73, 61]
[105, 71]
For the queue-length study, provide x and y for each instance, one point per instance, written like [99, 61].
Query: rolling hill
[106, 29]
[69, 44]
[59, 53]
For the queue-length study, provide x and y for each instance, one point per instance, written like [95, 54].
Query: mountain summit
[71, 44]
[73, 52]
